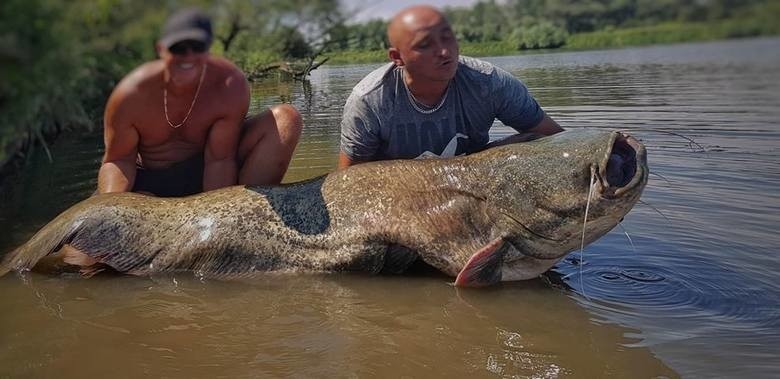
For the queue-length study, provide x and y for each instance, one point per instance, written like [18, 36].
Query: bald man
[431, 102]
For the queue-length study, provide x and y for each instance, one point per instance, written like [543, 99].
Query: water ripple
[647, 291]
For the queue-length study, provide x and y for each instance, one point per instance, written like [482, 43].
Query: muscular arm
[117, 173]
[220, 167]
[516, 107]
[547, 127]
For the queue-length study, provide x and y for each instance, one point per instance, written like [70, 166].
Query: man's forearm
[547, 127]
[218, 174]
[117, 176]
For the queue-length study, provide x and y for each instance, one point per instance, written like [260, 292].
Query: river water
[689, 286]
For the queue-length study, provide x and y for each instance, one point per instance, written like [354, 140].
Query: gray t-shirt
[380, 123]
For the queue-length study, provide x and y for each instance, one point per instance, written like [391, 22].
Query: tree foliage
[59, 60]
[543, 35]
[533, 24]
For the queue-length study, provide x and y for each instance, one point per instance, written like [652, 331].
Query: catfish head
[549, 193]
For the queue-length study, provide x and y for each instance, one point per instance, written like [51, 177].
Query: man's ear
[395, 56]
[158, 47]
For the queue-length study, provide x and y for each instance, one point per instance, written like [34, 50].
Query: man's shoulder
[227, 78]
[476, 79]
[135, 85]
[475, 68]
[224, 68]
[374, 81]
[149, 72]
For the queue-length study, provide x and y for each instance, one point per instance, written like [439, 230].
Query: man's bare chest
[155, 127]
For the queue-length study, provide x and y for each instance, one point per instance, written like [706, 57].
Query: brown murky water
[693, 293]
[306, 326]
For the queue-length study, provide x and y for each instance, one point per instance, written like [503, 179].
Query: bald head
[422, 42]
[411, 20]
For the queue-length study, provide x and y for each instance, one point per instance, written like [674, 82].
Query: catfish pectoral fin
[88, 266]
[76, 257]
[484, 267]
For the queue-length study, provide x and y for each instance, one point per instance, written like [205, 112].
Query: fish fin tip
[484, 266]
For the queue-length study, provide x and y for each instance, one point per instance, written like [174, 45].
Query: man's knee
[288, 120]
[277, 128]
[278, 121]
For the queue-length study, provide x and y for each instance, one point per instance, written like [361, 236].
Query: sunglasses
[181, 48]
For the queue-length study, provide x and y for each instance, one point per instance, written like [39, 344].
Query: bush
[60, 60]
[544, 35]
[673, 33]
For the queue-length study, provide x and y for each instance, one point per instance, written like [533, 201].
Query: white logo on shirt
[449, 150]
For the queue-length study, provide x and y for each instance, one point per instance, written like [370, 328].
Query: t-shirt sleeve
[359, 130]
[514, 105]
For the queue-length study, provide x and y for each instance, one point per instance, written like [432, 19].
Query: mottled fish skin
[371, 217]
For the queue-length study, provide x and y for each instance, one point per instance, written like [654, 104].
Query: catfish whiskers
[630, 241]
[584, 223]
[655, 209]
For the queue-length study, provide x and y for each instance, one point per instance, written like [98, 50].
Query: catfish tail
[48, 240]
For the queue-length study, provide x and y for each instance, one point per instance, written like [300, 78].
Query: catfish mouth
[623, 167]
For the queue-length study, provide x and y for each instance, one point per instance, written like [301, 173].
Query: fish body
[506, 213]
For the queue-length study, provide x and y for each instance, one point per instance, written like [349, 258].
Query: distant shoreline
[661, 34]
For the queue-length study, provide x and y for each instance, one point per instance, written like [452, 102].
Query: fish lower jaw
[526, 268]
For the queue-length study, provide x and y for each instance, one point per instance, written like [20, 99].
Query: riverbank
[666, 33]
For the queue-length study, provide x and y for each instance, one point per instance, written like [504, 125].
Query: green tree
[61, 61]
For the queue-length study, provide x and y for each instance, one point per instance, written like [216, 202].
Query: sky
[385, 9]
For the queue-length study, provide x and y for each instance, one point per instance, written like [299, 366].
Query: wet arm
[117, 172]
[516, 107]
[220, 165]
[546, 127]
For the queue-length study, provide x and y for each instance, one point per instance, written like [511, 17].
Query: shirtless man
[176, 126]
[429, 101]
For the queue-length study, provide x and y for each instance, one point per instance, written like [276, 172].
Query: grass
[671, 33]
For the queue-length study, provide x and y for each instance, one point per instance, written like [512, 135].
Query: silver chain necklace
[194, 99]
[413, 100]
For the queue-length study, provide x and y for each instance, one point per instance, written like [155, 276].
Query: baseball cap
[187, 24]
